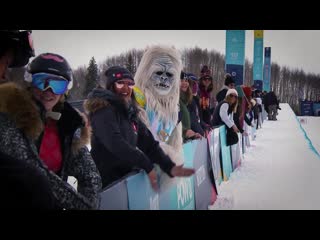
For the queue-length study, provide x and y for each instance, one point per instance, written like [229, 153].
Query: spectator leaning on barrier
[255, 110]
[248, 117]
[188, 118]
[41, 129]
[194, 108]
[223, 113]
[205, 93]
[121, 142]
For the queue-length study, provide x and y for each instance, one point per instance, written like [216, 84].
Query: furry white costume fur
[158, 78]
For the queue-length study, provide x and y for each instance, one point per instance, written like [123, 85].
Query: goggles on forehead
[120, 84]
[44, 81]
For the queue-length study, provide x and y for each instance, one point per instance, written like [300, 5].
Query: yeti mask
[163, 75]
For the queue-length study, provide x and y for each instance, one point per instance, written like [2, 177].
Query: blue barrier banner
[140, 193]
[244, 149]
[214, 149]
[180, 194]
[253, 131]
[241, 146]
[115, 197]
[258, 84]
[247, 130]
[205, 193]
[236, 72]
[235, 54]
[267, 69]
[225, 154]
[258, 59]
[316, 109]
[236, 154]
[306, 108]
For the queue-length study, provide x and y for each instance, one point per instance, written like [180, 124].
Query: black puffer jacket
[120, 141]
[195, 120]
[20, 127]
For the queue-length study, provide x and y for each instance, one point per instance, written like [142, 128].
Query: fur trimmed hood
[21, 108]
[101, 98]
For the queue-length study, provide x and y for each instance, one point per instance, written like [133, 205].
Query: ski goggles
[120, 84]
[44, 81]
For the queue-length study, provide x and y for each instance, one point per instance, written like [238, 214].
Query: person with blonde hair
[223, 113]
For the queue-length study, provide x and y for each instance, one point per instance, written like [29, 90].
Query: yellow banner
[258, 33]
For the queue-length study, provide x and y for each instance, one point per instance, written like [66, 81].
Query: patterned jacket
[20, 127]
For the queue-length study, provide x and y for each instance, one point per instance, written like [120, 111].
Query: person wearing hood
[121, 142]
[229, 83]
[38, 127]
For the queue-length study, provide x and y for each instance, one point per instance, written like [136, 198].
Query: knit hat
[183, 75]
[228, 80]
[192, 77]
[232, 91]
[117, 73]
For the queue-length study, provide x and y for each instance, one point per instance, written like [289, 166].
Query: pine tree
[91, 79]
[130, 65]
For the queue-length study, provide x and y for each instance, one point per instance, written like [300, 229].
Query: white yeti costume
[158, 78]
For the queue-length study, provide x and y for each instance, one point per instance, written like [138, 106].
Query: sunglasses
[231, 95]
[120, 84]
[44, 81]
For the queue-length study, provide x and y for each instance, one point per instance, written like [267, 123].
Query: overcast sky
[296, 49]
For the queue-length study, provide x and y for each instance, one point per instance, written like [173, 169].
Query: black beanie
[117, 73]
[228, 80]
[183, 75]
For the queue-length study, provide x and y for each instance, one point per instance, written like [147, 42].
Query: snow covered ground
[312, 127]
[279, 171]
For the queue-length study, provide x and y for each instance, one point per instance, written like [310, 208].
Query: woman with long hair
[121, 142]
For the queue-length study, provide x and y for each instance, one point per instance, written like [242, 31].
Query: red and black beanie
[117, 73]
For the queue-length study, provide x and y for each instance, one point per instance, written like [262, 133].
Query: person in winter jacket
[41, 129]
[256, 112]
[248, 118]
[120, 141]
[197, 123]
[271, 104]
[229, 83]
[191, 128]
[22, 186]
[205, 93]
[223, 113]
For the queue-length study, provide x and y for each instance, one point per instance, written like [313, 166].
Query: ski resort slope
[312, 127]
[279, 171]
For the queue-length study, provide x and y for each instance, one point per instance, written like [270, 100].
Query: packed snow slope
[279, 171]
[311, 126]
